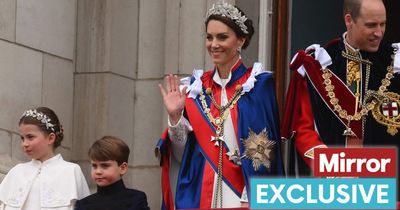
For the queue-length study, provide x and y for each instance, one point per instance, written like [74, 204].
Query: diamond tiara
[229, 11]
[39, 116]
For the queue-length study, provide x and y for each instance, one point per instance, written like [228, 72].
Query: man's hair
[352, 7]
[109, 148]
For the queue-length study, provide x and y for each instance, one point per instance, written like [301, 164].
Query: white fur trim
[321, 55]
[196, 87]
[396, 61]
[249, 84]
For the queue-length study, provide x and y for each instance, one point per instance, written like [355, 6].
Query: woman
[223, 125]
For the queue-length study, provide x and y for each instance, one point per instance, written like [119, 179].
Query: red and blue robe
[255, 110]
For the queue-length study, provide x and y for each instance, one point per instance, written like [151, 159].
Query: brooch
[386, 112]
[258, 148]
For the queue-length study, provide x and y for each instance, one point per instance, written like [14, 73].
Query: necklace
[335, 101]
[386, 100]
[218, 122]
[366, 107]
[224, 110]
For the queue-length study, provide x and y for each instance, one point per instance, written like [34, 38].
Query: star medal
[259, 149]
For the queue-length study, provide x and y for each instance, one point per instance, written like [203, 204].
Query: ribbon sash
[203, 130]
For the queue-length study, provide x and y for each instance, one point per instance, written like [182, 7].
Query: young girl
[47, 181]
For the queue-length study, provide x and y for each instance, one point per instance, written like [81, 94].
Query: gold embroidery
[392, 121]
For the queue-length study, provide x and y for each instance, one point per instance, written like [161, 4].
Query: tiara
[229, 11]
[39, 116]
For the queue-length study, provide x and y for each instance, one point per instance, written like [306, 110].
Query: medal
[259, 149]
[386, 112]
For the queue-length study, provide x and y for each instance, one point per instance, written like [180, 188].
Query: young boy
[109, 157]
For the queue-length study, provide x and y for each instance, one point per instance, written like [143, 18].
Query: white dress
[53, 184]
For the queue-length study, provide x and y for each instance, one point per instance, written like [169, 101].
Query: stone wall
[37, 45]
[97, 63]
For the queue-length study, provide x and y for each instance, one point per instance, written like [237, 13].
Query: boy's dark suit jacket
[114, 197]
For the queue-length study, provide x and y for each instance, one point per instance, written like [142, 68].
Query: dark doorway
[393, 21]
[315, 22]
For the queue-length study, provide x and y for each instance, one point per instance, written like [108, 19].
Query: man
[346, 93]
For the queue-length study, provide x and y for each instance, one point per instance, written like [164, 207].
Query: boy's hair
[109, 148]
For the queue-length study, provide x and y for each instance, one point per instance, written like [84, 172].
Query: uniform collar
[112, 188]
[348, 46]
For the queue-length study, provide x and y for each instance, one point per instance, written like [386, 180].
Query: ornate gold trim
[334, 101]
[391, 122]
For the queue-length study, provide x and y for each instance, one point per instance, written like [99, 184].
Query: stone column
[119, 64]
[148, 106]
